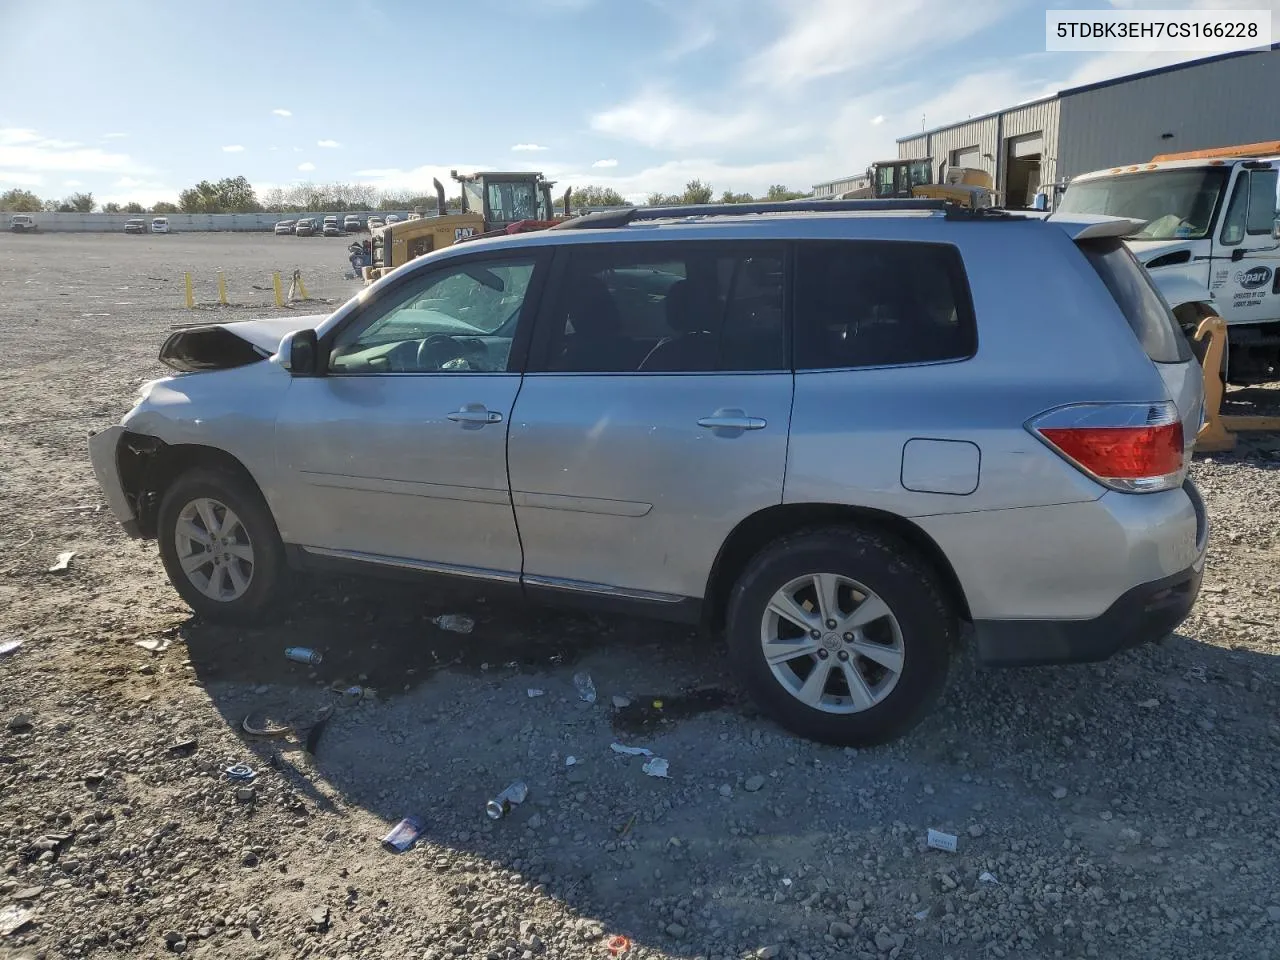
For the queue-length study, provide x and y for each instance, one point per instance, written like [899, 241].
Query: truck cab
[1210, 240]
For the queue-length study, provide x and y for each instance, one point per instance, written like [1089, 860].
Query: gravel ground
[1122, 809]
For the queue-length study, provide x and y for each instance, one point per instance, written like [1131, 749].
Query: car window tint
[456, 320]
[669, 308]
[1262, 202]
[862, 303]
[1146, 311]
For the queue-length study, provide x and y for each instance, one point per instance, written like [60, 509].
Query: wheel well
[149, 465]
[758, 530]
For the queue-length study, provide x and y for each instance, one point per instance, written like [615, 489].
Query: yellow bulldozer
[492, 202]
[964, 186]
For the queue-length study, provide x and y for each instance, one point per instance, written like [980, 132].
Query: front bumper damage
[104, 453]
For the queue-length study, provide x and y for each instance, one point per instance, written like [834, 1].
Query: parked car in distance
[21, 223]
[351, 223]
[793, 437]
[135, 225]
[285, 227]
[332, 229]
[160, 225]
[373, 223]
[305, 228]
[393, 218]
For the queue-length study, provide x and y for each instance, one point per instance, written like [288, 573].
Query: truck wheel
[841, 635]
[220, 546]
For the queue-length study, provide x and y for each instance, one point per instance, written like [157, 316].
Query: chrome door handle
[471, 415]
[740, 422]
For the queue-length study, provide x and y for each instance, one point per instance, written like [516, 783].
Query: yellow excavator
[492, 202]
[963, 186]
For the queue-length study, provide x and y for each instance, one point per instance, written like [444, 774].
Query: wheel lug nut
[843, 654]
[816, 634]
[822, 654]
[831, 624]
[848, 638]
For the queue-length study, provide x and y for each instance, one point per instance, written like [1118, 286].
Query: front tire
[841, 635]
[220, 546]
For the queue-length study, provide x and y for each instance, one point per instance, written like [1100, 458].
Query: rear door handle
[732, 420]
[475, 413]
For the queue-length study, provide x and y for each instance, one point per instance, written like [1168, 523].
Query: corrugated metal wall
[178, 222]
[1214, 104]
[989, 134]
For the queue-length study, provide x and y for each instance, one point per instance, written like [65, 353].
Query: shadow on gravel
[757, 838]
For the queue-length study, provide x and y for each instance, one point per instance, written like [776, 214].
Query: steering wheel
[437, 350]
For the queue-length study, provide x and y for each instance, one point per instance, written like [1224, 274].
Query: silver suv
[847, 433]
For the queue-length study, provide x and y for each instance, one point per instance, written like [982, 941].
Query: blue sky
[137, 99]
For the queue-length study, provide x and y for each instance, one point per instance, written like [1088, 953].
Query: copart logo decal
[1254, 277]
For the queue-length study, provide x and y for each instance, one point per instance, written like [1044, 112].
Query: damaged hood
[221, 346]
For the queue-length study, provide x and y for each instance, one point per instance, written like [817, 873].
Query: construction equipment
[963, 186]
[492, 202]
[1210, 238]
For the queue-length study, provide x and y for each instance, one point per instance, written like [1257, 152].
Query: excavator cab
[504, 198]
[898, 178]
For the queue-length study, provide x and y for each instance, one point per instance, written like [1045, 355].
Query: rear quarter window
[1146, 311]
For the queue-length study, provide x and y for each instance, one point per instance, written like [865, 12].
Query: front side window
[1263, 205]
[459, 319]
[861, 303]
[1233, 223]
[669, 308]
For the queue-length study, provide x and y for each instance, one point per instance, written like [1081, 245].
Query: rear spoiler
[1086, 226]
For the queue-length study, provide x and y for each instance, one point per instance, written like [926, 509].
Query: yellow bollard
[222, 289]
[302, 288]
[191, 300]
[275, 279]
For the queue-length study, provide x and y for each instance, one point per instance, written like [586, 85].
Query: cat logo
[1254, 277]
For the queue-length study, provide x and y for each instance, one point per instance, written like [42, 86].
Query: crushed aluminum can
[942, 841]
[240, 771]
[404, 834]
[586, 688]
[303, 655]
[501, 805]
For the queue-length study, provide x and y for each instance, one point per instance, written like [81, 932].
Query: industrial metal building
[833, 188]
[1218, 101]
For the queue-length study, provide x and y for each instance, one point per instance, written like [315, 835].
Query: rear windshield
[1148, 315]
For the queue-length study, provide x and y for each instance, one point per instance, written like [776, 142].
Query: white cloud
[282, 112]
[132, 190]
[528, 147]
[306, 167]
[273, 148]
[114, 136]
[418, 179]
[604, 164]
[16, 176]
[233, 148]
[662, 122]
[828, 37]
[72, 183]
[877, 119]
[328, 143]
[24, 149]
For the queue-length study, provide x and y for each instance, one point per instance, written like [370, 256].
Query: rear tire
[874, 674]
[220, 546]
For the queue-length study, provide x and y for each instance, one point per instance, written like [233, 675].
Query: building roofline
[1085, 88]
[1171, 68]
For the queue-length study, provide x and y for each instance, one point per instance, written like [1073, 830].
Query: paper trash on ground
[656, 767]
[942, 841]
[631, 751]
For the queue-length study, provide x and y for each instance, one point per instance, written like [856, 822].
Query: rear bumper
[103, 447]
[1144, 614]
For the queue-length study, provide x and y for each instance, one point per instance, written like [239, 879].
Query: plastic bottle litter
[586, 689]
[656, 767]
[454, 623]
[303, 655]
[501, 805]
[404, 834]
[631, 751]
[942, 841]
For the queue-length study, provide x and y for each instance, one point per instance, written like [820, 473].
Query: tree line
[237, 195]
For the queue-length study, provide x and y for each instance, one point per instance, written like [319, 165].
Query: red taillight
[1136, 448]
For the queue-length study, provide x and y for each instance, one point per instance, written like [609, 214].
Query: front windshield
[474, 196]
[1175, 204]
[512, 200]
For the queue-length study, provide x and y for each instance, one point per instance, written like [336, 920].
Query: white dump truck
[1211, 241]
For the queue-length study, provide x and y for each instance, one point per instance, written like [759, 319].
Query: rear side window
[864, 303]
[1148, 315]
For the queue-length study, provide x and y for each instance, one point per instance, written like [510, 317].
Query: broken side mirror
[299, 353]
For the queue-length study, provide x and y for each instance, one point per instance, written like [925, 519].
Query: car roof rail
[605, 219]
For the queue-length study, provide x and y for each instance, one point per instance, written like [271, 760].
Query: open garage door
[1023, 156]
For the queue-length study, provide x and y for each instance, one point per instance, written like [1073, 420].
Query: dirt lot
[1123, 809]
